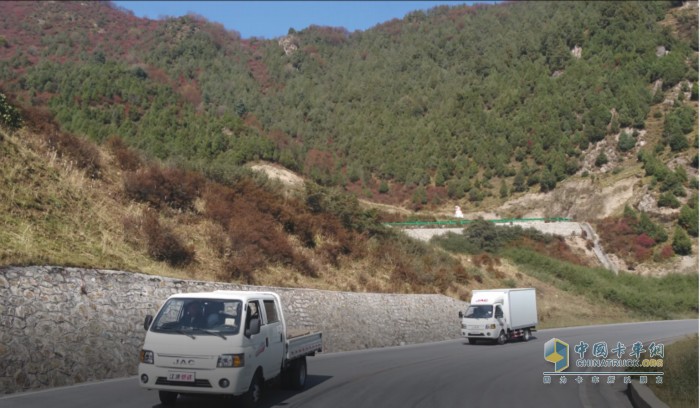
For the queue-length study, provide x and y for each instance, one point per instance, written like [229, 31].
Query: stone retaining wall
[61, 326]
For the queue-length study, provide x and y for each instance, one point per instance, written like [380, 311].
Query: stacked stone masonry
[62, 326]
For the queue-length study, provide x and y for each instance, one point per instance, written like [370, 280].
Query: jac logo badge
[182, 361]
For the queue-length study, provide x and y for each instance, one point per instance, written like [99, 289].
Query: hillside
[448, 105]
[141, 141]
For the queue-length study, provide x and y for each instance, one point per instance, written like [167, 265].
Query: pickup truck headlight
[146, 357]
[231, 360]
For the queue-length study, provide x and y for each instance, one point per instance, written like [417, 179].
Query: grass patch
[669, 297]
[680, 386]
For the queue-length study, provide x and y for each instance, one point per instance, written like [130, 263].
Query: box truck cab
[222, 342]
[500, 315]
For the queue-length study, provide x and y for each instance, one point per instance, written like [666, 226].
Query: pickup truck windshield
[216, 317]
[479, 312]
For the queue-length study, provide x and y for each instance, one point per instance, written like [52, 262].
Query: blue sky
[271, 19]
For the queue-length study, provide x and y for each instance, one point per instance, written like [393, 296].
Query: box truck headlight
[490, 326]
[231, 360]
[146, 357]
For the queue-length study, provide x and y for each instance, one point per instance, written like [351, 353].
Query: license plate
[474, 327]
[184, 376]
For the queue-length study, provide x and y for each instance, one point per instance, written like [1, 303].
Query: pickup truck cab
[222, 342]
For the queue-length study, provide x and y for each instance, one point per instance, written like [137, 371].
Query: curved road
[445, 374]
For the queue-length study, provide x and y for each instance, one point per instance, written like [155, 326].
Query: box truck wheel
[502, 338]
[167, 398]
[472, 341]
[526, 335]
[251, 398]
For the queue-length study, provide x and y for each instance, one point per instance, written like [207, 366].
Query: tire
[252, 398]
[527, 335]
[167, 398]
[297, 374]
[502, 338]
[472, 341]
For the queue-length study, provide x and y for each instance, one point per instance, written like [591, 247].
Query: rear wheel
[167, 398]
[527, 335]
[295, 375]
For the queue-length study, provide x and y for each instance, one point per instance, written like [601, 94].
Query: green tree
[504, 189]
[626, 142]
[519, 182]
[601, 159]
[682, 245]
[688, 219]
[667, 199]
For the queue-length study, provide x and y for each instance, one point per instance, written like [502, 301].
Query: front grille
[195, 384]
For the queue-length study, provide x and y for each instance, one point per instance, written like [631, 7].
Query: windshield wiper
[212, 332]
[190, 335]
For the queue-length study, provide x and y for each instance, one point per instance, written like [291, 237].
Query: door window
[271, 311]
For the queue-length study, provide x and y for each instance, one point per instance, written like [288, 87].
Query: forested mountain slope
[452, 104]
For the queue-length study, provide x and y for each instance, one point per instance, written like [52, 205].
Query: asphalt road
[445, 374]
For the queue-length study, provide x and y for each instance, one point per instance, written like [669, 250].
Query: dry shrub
[302, 225]
[219, 241]
[665, 253]
[83, 153]
[259, 230]
[170, 187]
[641, 253]
[163, 244]
[244, 263]
[127, 159]
[39, 120]
[219, 201]
[132, 229]
[485, 260]
[252, 231]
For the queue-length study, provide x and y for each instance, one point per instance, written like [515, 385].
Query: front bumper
[208, 381]
[480, 334]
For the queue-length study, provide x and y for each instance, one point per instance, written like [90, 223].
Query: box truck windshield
[184, 316]
[479, 312]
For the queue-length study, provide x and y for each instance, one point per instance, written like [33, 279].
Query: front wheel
[502, 338]
[251, 398]
[167, 398]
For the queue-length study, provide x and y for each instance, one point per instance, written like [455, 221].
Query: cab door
[274, 337]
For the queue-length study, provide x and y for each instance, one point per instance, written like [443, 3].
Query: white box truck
[222, 342]
[500, 315]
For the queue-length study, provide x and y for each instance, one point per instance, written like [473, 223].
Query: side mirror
[147, 322]
[461, 315]
[254, 327]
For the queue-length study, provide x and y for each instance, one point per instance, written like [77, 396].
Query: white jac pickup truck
[222, 342]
